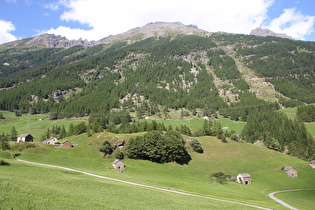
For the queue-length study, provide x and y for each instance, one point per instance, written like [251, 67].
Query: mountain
[169, 65]
[267, 32]
[161, 69]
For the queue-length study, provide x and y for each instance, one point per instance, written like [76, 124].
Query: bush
[4, 163]
[220, 177]
[235, 137]
[196, 146]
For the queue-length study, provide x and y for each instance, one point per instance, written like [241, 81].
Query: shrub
[4, 163]
[235, 137]
[196, 146]
[220, 177]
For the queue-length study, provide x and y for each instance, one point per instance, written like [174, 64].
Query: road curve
[271, 195]
[142, 185]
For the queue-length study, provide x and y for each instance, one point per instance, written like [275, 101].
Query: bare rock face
[49, 41]
[267, 32]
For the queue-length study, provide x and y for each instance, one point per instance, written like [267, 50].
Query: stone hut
[52, 141]
[67, 144]
[118, 164]
[25, 138]
[312, 163]
[290, 171]
[244, 178]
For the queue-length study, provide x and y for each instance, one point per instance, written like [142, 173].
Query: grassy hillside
[232, 158]
[36, 125]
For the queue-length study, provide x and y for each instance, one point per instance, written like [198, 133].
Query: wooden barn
[118, 164]
[290, 171]
[25, 138]
[244, 178]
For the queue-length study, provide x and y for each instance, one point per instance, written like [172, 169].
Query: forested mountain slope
[152, 72]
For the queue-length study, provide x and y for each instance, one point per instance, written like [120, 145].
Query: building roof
[245, 175]
[116, 161]
[47, 140]
[287, 168]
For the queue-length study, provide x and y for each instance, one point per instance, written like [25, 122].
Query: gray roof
[287, 168]
[116, 161]
[245, 175]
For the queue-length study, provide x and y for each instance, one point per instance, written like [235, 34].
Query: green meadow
[26, 186]
[33, 124]
[55, 188]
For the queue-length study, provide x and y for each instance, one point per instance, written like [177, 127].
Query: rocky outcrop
[50, 41]
[267, 32]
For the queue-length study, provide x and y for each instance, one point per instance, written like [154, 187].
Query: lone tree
[4, 145]
[14, 134]
[106, 148]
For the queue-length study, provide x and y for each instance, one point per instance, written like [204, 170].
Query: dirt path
[271, 195]
[142, 185]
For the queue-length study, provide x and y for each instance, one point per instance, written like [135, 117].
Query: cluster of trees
[226, 69]
[288, 64]
[60, 131]
[158, 147]
[280, 133]
[306, 113]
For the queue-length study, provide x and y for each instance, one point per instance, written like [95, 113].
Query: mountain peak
[156, 29]
[267, 32]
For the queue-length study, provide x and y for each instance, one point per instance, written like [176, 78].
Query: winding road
[271, 195]
[142, 185]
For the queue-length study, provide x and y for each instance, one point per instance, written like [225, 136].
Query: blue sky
[96, 19]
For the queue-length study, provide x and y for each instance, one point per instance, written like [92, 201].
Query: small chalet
[25, 138]
[118, 164]
[67, 144]
[52, 141]
[290, 171]
[244, 178]
[312, 163]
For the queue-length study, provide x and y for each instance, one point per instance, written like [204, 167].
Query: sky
[96, 19]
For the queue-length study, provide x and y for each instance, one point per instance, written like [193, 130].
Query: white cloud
[5, 28]
[112, 17]
[293, 23]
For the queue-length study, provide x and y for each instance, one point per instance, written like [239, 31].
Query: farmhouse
[244, 178]
[290, 171]
[312, 163]
[52, 140]
[25, 138]
[118, 164]
[67, 144]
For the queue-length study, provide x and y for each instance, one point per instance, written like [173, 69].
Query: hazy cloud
[293, 23]
[113, 17]
[5, 28]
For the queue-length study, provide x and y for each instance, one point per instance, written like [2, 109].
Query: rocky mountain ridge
[267, 32]
[157, 29]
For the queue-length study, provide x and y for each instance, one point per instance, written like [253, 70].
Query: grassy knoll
[232, 158]
[32, 187]
[298, 199]
[33, 124]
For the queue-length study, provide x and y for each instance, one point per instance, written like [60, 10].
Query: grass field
[232, 158]
[46, 188]
[298, 199]
[33, 124]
